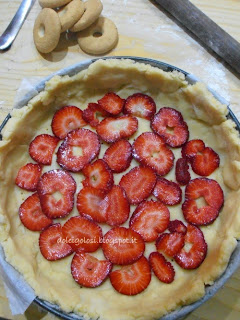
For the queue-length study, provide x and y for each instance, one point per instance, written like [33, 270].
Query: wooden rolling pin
[205, 29]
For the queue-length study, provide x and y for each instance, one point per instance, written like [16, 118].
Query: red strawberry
[149, 219]
[168, 123]
[193, 257]
[192, 148]
[114, 129]
[122, 245]
[182, 173]
[177, 226]
[28, 176]
[118, 156]
[67, 119]
[88, 204]
[132, 279]
[162, 269]
[31, 215]
[170, 243]
[56, 189]
[92, 114]
[41, 149]
[213, 196]
[140, 105]
[98, 175]
[52, 245]
[80, 147]
[115, 206]
[82, 234]
[138, 184]
[150, 150]
[88, 271]
[168, 192]
[111, 103]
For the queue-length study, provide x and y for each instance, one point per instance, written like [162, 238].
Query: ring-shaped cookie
[92, 10]
[70, 14]
[53, 3]
[99, 38]
[46, 31]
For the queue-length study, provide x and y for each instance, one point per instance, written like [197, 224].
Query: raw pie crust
[206, 119]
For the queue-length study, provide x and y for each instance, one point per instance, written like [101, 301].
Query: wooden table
[144, 31]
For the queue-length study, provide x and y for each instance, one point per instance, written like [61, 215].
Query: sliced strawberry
[122, 245]
[67, 119]
[118, 156]
[192, 148]
[80, 147]
[98, 175]
[167, 192]
[140, 105]
[56, 189]
[192, 258]
[82, 234]
[52, 245]
[93, 113]
[162, 269]
[182, 174]
[149, 219]
[115, 206]
[168, 123]
[138, 184]
[114, 129]
[88, 271]
[41, 149]
[150, 150]
[132, 279]
[170, 243]
[28, 176]
[177, 226]
[88, 204]
[112, 103]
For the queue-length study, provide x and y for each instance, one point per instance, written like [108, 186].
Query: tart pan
[234, 261]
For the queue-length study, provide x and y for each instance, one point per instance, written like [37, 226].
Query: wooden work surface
[144, 31]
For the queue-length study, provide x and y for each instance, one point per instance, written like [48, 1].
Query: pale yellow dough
[206, 119]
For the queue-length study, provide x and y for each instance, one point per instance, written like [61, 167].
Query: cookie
[70, 14]
[53, 3]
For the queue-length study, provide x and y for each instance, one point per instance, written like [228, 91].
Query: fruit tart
[120, 191]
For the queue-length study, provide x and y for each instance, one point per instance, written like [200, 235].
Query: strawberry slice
[182, 174]
[150, 150]
[52, 245]
[162, 269]
[192, 258]
[119, 156]
[79, 147]
[98, 175]
[167, 192]
[114, 129]
[192, 148]
[88, 204]
[28, 176]
[115, 206]
[66, 119]
[149, 219]
[41, 149]
[170, 243]
[138, 184]
[88, 271]
[93, 113]
[211, 194]
[56, 189]
[168, 123]
[31, 215]
[140, 105]
[133, 279]
[82, 234]
[112, 103]
[177, 226]
[122, 245]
